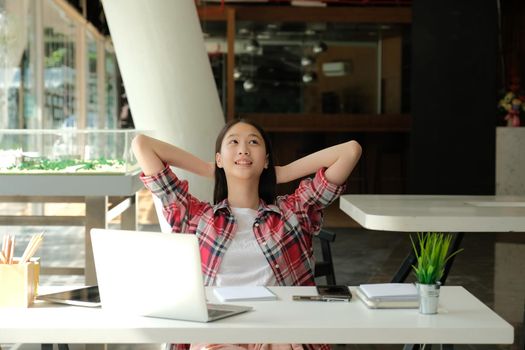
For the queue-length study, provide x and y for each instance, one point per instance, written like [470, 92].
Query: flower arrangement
[514, 106]
[432, 252]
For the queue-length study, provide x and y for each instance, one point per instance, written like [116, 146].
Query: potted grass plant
[432, 253]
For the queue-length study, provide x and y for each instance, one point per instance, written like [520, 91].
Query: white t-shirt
[244, 262]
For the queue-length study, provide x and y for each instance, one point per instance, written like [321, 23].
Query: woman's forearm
[339, 160]
[152, 153]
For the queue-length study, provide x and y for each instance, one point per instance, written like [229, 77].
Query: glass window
[315, 67]
[93, 120]
[45, 89]
[60, 68]
[111, 89]
[17, 95]
[215, 41]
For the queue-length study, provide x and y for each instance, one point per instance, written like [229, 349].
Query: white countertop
[443, 213]
[70, 185]
[462, 319]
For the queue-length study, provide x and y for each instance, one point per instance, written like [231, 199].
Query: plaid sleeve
[310, 198]
[177, 203]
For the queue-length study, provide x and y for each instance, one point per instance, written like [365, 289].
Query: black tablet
[85, 296]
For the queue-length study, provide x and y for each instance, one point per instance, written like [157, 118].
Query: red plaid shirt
[283, 230]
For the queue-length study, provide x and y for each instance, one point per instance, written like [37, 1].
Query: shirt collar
[263, 207]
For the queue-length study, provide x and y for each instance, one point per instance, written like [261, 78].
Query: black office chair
[325, 267]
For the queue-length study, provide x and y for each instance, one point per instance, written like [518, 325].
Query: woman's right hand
[152, 154]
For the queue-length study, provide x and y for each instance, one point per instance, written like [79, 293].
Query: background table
[440, 213]
[463, 319]
[97, 191]
[443, 213]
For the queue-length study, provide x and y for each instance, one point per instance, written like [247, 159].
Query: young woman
[248, 236]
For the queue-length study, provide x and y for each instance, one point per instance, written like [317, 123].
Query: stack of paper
[388, 295]
[250, 293]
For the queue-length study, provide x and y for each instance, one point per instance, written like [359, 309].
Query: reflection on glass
[92, 114]
[59, 68]
[57, 83]
[309, 68]
[314, 68]
[111, 90]
[15, 40]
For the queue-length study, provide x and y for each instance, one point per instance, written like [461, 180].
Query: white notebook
[247, 293]
[388, 295]
[390, 290]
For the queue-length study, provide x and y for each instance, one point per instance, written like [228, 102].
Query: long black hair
[267, 181]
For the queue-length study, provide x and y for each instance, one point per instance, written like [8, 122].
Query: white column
[167, 75]
[510, 161]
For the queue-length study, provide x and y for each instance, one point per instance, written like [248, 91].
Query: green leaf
[432, 255]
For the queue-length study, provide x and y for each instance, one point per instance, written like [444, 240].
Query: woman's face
[243, 152]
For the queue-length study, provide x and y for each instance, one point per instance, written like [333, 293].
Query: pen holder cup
[19, 283]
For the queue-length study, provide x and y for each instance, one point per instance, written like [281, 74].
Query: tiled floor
[492, 267]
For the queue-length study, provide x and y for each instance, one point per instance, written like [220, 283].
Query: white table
[443, 213]
[93, 190]
[463, 319]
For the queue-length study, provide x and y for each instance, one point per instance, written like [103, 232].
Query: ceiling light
[237, 73]
[306, 61]
[309, 32]
[248, 85]
[252, 46]
[319, 47]
[244, 31]
[309, 77]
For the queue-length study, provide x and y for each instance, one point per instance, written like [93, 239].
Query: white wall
[167, 76]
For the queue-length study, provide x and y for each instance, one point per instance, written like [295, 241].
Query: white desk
[463, 319]
[423, 213]
[441, 213]
[93, 190]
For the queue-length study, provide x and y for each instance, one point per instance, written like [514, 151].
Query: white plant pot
[428, 298]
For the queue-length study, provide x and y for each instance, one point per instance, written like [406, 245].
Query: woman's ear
[266, 162]
[218, 160]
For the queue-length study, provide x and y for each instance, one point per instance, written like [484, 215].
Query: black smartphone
[335, 292]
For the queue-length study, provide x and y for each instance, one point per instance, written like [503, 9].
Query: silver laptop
[154, 274]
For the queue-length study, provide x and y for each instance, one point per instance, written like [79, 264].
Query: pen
[317, 298]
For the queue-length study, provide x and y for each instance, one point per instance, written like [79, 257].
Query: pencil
[32, 247]
[11, 250]
[33, 250]
[28, 248]
[4, 245]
